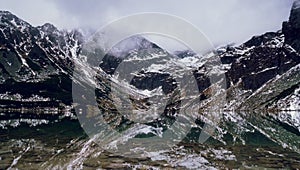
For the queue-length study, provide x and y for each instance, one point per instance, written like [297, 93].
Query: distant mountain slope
[39, 61]
[36, 60]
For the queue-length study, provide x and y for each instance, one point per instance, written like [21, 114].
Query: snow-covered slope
[35, 60]
[42, 59]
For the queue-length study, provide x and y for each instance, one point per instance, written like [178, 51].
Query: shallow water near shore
[251, 141]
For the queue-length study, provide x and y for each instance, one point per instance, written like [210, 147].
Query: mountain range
[37, 64]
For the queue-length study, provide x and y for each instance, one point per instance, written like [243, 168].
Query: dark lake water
[251, 141]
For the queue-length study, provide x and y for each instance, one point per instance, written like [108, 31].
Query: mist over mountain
[59, 86]
[42, 58]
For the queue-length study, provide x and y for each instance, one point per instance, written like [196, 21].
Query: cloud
[36, 12]
[222, 21]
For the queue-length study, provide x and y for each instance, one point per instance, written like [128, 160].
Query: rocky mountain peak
[295, 14]
[5, 13]
[296, 4]
[7, 19]
[184, 54]
[291, 28]
[48, 28]
[132, 43]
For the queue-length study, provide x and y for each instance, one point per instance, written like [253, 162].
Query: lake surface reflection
[241, 140]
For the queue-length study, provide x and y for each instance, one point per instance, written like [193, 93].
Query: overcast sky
[222, 21]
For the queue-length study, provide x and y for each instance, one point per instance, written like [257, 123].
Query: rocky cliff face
[262, 61]
[39, 61]
[291, 28]
[39, 67]
[35, 60]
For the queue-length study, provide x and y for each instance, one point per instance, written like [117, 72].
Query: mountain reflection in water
[241, 140]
